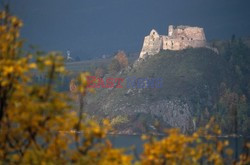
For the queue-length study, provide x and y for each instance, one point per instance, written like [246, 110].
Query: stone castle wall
[178, 38]
[179, 44]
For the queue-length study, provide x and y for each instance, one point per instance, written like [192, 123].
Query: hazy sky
[90, 28]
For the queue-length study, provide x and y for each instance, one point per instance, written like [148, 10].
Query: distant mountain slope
[91, 65]
[191, 79]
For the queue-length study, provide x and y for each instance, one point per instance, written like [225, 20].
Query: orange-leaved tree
[122, 59]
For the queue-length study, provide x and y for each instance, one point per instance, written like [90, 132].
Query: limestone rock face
[178, 38]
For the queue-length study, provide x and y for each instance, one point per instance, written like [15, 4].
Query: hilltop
[198, 83]
[191, 80]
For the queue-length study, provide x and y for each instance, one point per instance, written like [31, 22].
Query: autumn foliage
[35, 120]
[121, 57]
[120, 61]
[38, 126]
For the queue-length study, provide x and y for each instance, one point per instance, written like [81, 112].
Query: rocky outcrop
[173, 113]
[191, 79]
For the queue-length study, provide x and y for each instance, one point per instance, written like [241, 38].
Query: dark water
[126, 141]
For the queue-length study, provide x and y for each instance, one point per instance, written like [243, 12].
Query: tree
[232, 110]
[177, 148]
[237, 54]
[33, 117]
[122, 59]
[114, 66]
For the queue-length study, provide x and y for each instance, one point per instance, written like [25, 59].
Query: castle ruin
[178, 38]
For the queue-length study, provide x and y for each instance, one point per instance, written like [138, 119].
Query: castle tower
[152, 44]
[170, 30]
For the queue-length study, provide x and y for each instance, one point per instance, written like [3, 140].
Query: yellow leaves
[3, 29]
[9, 37]
[120, 119]
[9, 34]
[106, 155]
[99, 153]
[48, 62]
[144, 137]
[80, 85]
[195, 135]
[16, 22]
[12, 20]
[52, 62]
[83, 78]
[15, 157]
[178, 148]
[35, 115]
[7, 70]
[4, 83]
[97, 131]
[83, 82]
[92, 129]
[229, 152]
[106, 122]
[32, 66]
[14, 72]
[220, 146]
[226, 143]
[60, 69]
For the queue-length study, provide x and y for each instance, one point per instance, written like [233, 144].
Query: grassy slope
[185, 74]
[192, 75]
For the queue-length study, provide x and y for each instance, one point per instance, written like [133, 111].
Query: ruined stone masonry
[178, 38]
